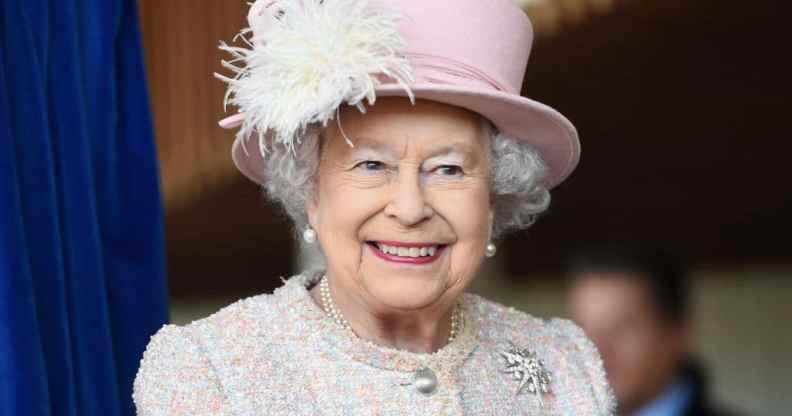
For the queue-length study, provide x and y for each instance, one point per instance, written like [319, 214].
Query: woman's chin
[407, 293]
[406, 285]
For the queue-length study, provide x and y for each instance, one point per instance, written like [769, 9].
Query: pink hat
[468, 53]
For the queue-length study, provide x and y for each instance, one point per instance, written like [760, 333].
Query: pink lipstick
[407, 253]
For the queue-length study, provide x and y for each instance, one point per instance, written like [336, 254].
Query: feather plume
[315, 56]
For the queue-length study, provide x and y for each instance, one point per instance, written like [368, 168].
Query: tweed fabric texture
[280, 354]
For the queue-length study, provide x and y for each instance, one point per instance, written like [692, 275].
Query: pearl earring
[309, 235]
[490, 250]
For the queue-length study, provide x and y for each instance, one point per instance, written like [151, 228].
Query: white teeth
[407, 251]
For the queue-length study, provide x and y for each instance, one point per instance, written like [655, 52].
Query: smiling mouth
[406, 253]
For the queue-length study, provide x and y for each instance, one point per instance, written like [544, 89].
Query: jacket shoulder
[568, 353]
[185, 369]
[260, 318]
[176, 377]
[580, 348]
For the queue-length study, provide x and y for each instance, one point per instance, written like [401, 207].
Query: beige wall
[742, 318]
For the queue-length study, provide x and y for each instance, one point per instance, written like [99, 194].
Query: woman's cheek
[350, 204]
[468, 212]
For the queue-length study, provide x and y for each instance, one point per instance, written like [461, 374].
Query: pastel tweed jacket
[280, 354]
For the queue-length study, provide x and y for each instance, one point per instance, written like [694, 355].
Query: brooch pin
[528, 369]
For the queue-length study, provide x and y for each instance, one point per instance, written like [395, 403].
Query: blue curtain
[82, 276]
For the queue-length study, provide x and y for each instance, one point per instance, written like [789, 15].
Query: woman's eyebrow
[449, 155]
[368, 144]
[370, 147]
[463, 151]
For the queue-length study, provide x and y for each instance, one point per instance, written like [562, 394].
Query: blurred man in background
[634, 304]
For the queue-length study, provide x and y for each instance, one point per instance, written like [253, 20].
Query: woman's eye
[449, 170]
[371, 165]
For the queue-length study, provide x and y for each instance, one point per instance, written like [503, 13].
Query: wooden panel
[180, 39]
[228, 241]
[550, 17]
[221, 235]
[680, 107]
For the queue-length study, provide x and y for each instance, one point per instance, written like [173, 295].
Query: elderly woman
[393, 134]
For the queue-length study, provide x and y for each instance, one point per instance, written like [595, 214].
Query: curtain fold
[82, 275]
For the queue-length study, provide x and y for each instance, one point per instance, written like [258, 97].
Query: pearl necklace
[331, 309]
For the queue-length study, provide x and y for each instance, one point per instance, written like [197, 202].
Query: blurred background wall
[680, 108]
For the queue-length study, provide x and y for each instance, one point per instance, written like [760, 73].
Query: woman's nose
[408, 204]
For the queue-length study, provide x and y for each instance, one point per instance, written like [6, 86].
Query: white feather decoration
[317, 55]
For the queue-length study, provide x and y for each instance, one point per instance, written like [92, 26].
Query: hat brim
[526, 120]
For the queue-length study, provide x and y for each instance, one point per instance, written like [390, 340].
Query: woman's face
[404, 216]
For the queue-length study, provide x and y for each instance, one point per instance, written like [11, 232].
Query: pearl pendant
[425, 381]
[309, 235]
[490, 250]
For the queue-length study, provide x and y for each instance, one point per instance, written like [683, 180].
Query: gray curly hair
[516, 180]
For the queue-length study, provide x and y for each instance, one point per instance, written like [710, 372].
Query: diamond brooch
[528, 370]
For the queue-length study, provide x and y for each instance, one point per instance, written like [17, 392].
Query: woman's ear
[491, 221]
[312, 209]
